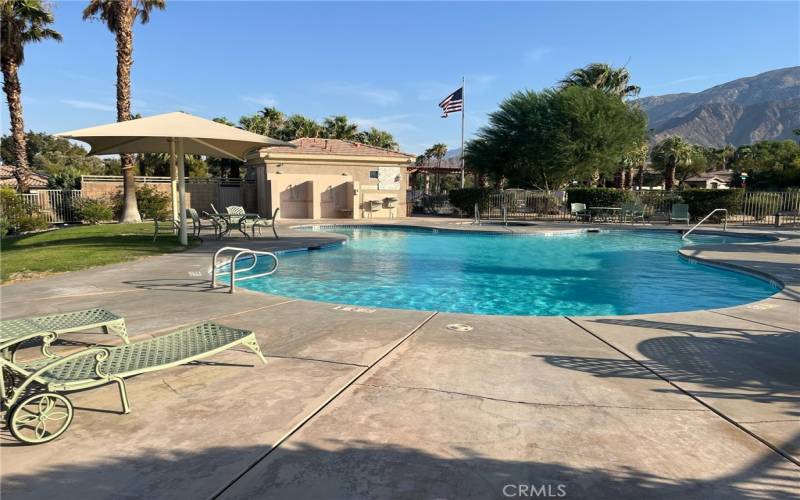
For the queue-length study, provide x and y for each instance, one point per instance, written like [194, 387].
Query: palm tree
[297, 126]
[120, 16]
[339, 127]
[273, 118]
[378, 138]
[635, 158]
[23, 22]
[437, 151]
[671, 153]
[615, 81]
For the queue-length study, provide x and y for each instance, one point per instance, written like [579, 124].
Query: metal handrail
[724, 223]
[240, 252]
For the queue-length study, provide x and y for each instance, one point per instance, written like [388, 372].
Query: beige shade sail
[153, 134]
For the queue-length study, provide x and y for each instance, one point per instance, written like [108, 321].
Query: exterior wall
[304, 196]
[107, 189]
[200, 194]
[336, 189]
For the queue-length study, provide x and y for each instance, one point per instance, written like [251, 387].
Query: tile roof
[312, 145]
[7, 178]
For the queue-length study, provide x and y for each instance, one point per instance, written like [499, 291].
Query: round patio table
[608, 214]
[236, 220]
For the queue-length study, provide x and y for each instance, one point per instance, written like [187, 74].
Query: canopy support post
[173, 178]
[182, 193]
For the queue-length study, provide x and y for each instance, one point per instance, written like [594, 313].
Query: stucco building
[330, 179]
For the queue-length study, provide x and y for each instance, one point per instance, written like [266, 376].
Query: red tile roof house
[330, 179]
[37, 181]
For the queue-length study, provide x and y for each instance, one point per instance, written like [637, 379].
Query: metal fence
[756, 207]
[55, 205]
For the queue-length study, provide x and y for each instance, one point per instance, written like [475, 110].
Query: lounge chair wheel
[40, 418]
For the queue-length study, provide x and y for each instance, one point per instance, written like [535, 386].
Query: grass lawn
[79, 247]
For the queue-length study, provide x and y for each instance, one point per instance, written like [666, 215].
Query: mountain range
[743, 111]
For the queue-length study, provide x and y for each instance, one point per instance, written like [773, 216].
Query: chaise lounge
[15, 331]
[37, 413]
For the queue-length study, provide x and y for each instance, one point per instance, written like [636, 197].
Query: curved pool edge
[554, 229]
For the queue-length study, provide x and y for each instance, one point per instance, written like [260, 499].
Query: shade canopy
[154, 134]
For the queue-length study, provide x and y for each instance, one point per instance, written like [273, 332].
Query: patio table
[235, 220]
[606, 213]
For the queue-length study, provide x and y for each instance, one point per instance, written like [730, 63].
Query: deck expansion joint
[305, 420]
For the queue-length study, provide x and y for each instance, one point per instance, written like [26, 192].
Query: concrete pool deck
[369, 403]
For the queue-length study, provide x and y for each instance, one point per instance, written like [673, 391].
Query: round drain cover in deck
[459, 327]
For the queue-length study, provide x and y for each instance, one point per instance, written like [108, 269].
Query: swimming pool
[605, 273]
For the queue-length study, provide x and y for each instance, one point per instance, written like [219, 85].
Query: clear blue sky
[389, 64]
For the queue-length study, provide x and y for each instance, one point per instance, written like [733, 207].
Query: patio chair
[13, 332]
[165, 226]
[679, 212]
[266, 222]
[38, 413]
[632, 211]
[578, 212]
[200, 223]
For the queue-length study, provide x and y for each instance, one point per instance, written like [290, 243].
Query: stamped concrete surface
[372, 403]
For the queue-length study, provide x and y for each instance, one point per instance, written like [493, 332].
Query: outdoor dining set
[233, 218]
[627, 212]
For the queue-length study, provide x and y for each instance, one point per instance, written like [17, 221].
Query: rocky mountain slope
[743, 111]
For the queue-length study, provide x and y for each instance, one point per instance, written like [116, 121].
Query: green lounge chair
[14, 331]
[42, 414]
[578, 212]
[679, 212]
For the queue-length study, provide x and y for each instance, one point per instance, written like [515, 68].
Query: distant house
[720, 179]
[37, 181]
[330, 178]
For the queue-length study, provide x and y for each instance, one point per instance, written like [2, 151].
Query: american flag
[453, 103]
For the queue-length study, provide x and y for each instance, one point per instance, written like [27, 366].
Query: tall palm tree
[671, 153]
[22, 22]
[339, 127]
[297, 126]
[378, 138]
[120, 16]
[615, 81]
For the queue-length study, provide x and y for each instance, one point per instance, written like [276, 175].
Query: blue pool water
[611, 272]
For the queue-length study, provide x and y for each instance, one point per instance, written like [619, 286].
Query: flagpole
[463, 104]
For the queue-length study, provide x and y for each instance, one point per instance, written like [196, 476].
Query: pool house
[331, 179]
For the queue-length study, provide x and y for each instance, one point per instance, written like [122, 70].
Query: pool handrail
[240, 252]
[724, 221]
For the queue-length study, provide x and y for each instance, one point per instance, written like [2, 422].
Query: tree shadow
[360, 469]
[758, 368]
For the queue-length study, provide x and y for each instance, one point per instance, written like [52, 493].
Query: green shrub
[465, 199]
[598, 197]
[703, 201]
[152, 203]
[95, 210]
[17, 215]
[31, 222]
